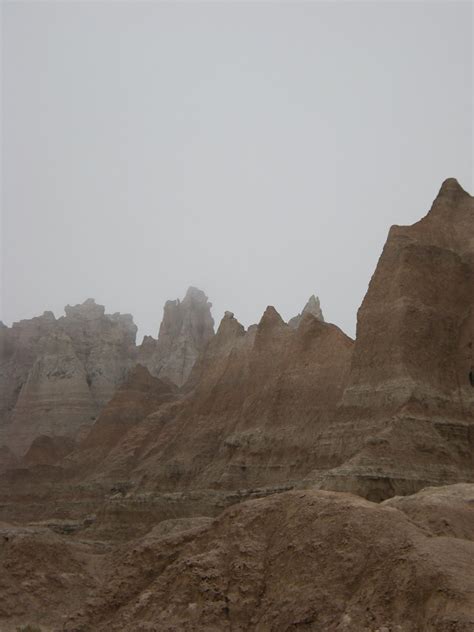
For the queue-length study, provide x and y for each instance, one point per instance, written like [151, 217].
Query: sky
[259, 151]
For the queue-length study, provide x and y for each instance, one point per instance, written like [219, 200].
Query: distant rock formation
[185, 330]
[55, 375]
[139, 395]
[104, 343]
[48, 450]
[258, 401]
[18, 351]
[312, 307]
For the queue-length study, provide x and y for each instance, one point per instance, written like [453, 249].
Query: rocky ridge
[185, 330]
[405, 418]
[313, 307]
[55, 375]
[277, 407]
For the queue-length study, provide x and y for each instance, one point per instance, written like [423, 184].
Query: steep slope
[47, 450]
[406, 415]
[185, 330]
[18, 350]
[140, 395]
[55, 375]
[55, 399]
[259, 401]
[313, 307]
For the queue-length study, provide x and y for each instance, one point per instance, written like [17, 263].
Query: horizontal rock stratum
[280, 477]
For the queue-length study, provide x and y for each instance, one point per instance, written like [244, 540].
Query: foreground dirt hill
[303, 560]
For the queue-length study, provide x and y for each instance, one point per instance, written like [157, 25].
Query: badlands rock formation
[56, 375]
[139, 396]
[185, 330]
[312, 307]
[18, 350]
[131, 523]
[259, 400]
[303, 560]
[406, 416]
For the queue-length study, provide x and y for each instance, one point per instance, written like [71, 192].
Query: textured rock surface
[273, 408]
[104, 343]
[18, 350]
[55, 375]
[185, 330]
[309, 560]
[48, 450]
[301, 560]
[260, 398]
[137, 397]
[312, 307]
[406, 417]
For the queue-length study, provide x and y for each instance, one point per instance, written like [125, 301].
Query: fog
[259, 151]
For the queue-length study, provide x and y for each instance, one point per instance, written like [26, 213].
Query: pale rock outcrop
[55, 399]
[18, 351]
[104, 343]
[313, 307]
[56, 375]
[185, 330]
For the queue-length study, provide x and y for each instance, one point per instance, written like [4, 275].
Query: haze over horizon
[257, 151]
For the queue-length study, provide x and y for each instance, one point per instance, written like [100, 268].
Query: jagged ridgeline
[150, 443]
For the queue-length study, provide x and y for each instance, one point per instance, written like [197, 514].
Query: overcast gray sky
[260, 151]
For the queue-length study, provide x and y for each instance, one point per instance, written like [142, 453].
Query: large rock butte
[185, 330]
[405, 419]
[56, 375]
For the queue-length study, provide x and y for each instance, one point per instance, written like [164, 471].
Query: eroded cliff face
[313, 307]
[55, 375]
[129, 521]
[185, 330]
[140, 395]
[259, 400]
[18, 351]
[406, 416]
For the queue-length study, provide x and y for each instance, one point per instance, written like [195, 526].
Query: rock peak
[229, 327]
[89, 309]
[195, 294]
[312, 307]
[185, 330]
[271, 318]
[451, 184]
